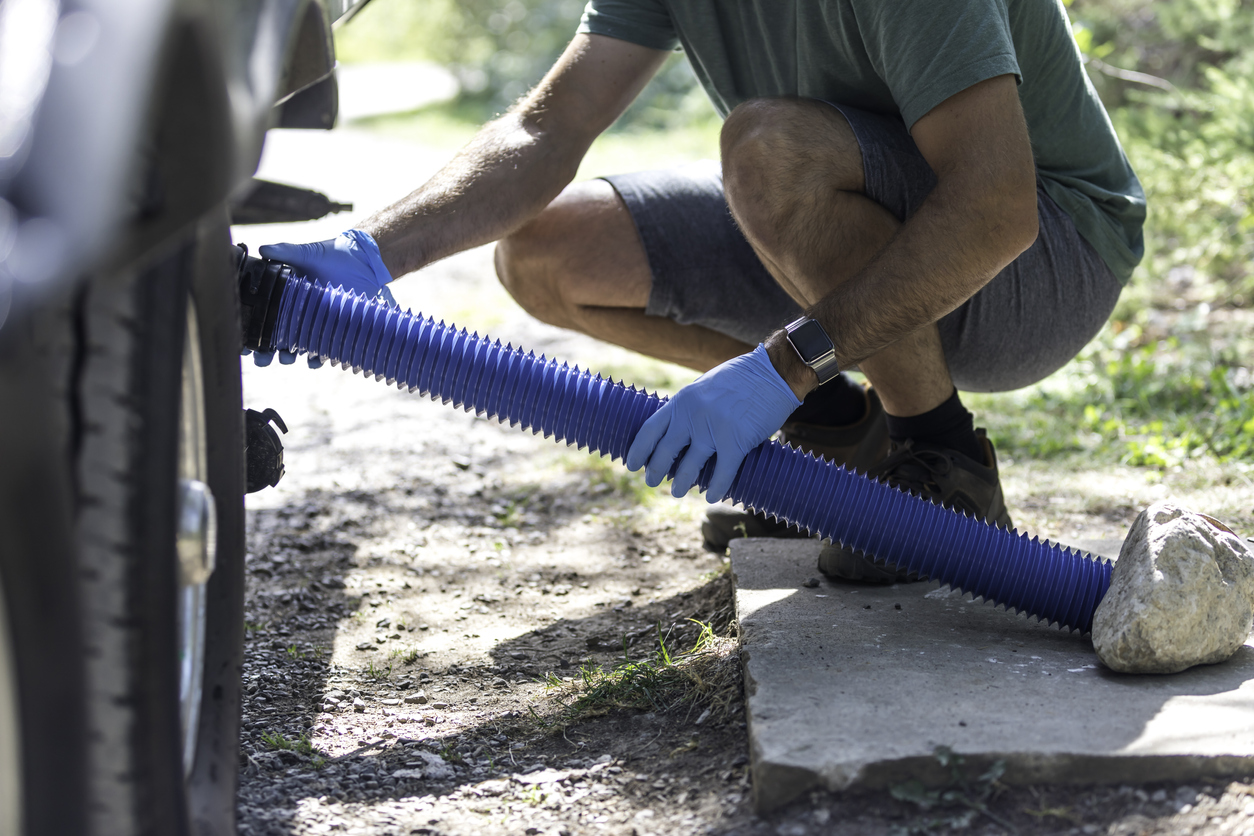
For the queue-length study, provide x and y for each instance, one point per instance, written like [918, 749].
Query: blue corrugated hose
[586, 410]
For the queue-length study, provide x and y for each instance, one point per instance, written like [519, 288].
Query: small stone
[389, 702]
[1181, 594]
[359, 705]
[1159, 796]
[365, 646]
[419, 698]
[439, 705]
[812, 583]
[543, 776]
[436, 769]
[410, 774]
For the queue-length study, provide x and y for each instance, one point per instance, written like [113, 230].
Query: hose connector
[261, 286]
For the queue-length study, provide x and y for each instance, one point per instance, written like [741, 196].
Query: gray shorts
[1026, 323]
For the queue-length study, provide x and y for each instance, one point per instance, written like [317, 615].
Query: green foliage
[377, 672]
[301, 745]
[1154, 404]
[1178, 79]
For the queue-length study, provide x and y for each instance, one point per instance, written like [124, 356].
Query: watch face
[810, 340]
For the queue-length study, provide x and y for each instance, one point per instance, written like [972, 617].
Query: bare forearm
[508, 173]
[517, 164]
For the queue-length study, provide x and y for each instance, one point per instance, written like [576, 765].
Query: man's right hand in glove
[351, 260]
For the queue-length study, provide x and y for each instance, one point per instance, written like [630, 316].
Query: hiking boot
[933, 472]
[857, 446]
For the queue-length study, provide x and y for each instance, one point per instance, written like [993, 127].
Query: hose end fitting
[261, 286]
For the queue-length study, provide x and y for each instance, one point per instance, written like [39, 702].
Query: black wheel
[143, 409]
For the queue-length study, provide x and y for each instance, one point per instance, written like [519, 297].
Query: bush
[1176, 78]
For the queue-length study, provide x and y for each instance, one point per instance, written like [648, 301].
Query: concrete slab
[854, 686]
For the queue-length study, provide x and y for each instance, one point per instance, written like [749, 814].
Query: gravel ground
[422, 577]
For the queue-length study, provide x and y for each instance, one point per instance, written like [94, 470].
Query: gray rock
[1181, 594]
[436, 769]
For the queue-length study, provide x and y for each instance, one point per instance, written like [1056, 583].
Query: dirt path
[424, 583]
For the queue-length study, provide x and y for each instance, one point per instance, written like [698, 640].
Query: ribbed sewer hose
[582, 409]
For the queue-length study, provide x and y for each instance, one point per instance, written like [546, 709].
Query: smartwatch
[814, 347]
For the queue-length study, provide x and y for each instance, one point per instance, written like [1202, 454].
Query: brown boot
[933, 472]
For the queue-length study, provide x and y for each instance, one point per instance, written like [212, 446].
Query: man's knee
[776, 149]
[526, 269]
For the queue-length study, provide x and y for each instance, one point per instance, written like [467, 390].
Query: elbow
[1015, 220]
[1027, 226]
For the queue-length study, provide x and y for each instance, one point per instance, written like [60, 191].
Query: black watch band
[814, 347]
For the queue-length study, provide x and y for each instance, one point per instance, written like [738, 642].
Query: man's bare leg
[580, 265]
[794, 180]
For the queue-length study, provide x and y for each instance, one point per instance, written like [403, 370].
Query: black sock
[948, 425]
[836, 403]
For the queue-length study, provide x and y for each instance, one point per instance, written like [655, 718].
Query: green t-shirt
[905, 57]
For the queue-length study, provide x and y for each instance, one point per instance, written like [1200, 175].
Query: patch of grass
[407, 657]
[714, 574]
[1156, 404]
[378, 672]
[606, 477]
[961, 791]
[705, 677]
[301, 745]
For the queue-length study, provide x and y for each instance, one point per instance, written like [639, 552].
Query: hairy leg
[793, 174]
[580, 265]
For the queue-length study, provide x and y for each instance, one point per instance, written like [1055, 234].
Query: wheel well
[311, 56]
[185, 162]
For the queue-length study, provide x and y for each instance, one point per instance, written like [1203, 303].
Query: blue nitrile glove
[351, 261]
[727, 411]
